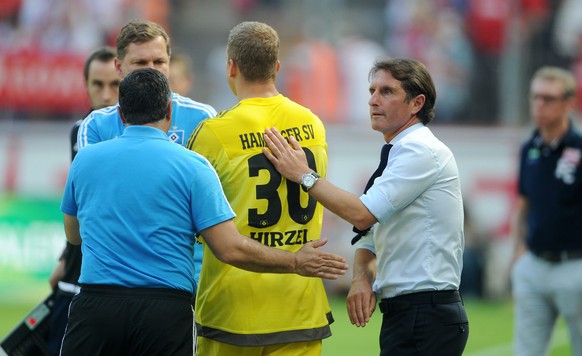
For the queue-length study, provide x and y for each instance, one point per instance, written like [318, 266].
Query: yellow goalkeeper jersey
[247, 308]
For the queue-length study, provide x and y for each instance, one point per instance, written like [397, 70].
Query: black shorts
[108, 320]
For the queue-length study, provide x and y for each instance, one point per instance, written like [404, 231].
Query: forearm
[230, 247]
[519, 228]
[519, 246]
[242, 252]
[72, 229]
[364, 266]
[344, 204]
[57, 274]
[253, 256]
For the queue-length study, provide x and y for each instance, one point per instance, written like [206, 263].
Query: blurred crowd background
[480, 52]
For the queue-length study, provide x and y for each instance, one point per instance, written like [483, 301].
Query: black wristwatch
[308, 180]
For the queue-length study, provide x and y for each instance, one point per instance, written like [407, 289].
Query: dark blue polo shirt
[550, 178]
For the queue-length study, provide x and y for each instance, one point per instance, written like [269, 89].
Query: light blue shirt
[105, 124]
[419, 238]
[140, 200]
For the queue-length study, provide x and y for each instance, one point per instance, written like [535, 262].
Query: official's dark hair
[144, 96]
[140, 31]
[101, 54]
[254, 46]
[415, 80]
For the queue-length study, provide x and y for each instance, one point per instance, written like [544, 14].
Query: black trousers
[58, 320]
[107, 320]
[424, 324]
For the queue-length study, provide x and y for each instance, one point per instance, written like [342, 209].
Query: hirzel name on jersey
[255, 139]
[277, 239]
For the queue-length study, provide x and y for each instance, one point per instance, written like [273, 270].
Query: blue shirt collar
[144, 131]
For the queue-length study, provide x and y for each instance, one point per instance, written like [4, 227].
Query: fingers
[330, 276]
[274, 148]
[275, 141]
[294, 143]
[360, 303]
[319, 243]
[332, 271]
[353, 307]
[359, 312]
[327, 270]
[369, 307]
[287, 157]
[312, 263]
[276, 136]
[269, 155]
[335, 262]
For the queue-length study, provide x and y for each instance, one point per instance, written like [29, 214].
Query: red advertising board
[31, 80]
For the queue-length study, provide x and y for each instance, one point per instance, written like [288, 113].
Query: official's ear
[169, 111]
[121, 115]
[117, 63]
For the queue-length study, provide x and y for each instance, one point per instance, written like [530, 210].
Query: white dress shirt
[418, 240]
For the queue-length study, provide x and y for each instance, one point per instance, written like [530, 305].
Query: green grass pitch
[491, 326]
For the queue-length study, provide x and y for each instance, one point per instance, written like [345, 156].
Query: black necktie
[377, 173]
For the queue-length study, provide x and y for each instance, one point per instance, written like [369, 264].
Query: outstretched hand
[288, 158]
[310, 262]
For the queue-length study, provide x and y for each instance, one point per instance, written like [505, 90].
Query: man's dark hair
[415, 80]
[101, 54]
[144, 96]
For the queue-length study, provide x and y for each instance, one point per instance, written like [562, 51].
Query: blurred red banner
[35, 81]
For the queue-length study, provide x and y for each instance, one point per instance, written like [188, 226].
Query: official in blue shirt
[136, 203]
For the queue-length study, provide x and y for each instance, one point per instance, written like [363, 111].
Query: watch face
[308, 180]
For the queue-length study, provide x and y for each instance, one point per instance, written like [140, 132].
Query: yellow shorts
[209, 347]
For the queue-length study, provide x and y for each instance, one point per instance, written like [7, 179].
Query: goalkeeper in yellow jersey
[246, 313]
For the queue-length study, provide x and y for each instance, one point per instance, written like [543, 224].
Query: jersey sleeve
[209, 205]
[204, 142]
[87, 134]
[367, 242]
[68, 203]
